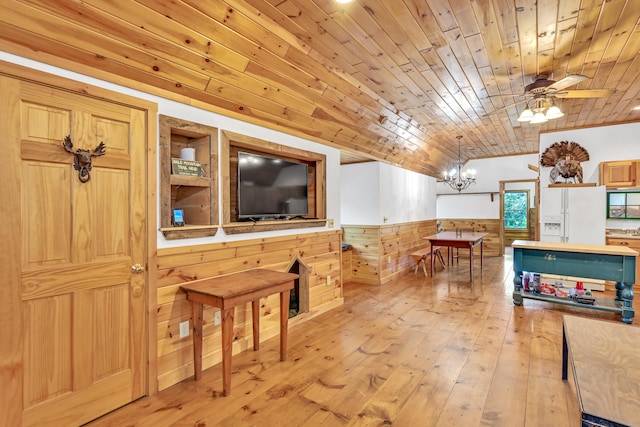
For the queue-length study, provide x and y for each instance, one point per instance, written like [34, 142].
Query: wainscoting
[320, 252]
[381, 253]
[491, 226]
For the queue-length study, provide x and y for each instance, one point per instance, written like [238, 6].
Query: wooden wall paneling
[382, 253]
[347, 273]
[491, 226]
[320, 251]
[365, 241]
[511, 235]
[398, 241]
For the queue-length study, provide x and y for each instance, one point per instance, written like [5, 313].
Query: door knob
[137, 269]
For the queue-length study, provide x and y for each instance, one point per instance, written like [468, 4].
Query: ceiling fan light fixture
[538, 117]
[554, 112]
[526, 115]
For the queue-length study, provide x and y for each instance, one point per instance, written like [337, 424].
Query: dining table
[459, 240]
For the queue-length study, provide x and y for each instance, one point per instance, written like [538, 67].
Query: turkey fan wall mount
[564, 157]
[540, 96]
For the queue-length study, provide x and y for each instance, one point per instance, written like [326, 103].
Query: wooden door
[81, 311]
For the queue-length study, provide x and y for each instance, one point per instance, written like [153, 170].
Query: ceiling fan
[542, 93]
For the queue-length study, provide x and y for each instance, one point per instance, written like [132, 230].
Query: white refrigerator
[573, 214]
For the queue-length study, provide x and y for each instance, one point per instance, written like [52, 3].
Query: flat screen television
[270, 187]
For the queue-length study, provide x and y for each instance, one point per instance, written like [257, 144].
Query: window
[623, 205]
[516, 209]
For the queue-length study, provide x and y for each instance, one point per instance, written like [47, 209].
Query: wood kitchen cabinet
[619, 174]
[631, 244]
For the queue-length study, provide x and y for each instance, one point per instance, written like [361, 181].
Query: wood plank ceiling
[389, 80]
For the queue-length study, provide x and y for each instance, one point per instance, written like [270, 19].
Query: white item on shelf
[188, 154]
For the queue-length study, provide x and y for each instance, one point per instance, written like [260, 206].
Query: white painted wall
[605, 143]
[406, 196]
[489, 173]
[467, 206]
[376, 193]
[360, 193]
[187, 112]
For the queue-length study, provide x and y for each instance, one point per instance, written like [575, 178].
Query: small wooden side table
[227, 292]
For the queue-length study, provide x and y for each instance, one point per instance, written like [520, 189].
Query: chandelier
[541, 112]
[456, 178]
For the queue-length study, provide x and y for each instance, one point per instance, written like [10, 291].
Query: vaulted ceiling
[388, 80]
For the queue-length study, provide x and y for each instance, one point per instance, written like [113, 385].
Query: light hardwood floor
[418, 352]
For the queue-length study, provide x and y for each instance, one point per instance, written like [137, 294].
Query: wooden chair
[422, 257]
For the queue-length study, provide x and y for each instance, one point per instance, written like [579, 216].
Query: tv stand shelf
[251, 227]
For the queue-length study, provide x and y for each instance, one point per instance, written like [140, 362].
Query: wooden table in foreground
[604, 360]
[227, 292]
[604, 262]
[463, 240]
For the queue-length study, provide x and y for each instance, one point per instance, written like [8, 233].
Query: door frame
[536, 182]
[11, 369]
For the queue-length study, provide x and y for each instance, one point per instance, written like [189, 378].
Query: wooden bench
[421, 257]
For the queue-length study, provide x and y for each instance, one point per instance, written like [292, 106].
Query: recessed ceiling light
[343, 1]
[636, 108]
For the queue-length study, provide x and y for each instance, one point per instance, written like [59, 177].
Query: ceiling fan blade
[509, 95]
[585, 93]
[507, 106]
[570, 80]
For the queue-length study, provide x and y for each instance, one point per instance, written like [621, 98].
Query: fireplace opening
[299, 296]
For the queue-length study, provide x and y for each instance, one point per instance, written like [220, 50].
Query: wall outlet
[216, 318]
[184, 329]
[330, 223]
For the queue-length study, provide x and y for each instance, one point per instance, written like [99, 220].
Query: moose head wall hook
[82, 158]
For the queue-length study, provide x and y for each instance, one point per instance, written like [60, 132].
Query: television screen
[269, 187]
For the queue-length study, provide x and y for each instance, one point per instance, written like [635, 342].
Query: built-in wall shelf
[192, 181]
[189, 231]
[250, 227]
[195, 196]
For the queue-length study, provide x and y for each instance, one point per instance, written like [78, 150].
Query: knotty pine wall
[382, 252]
[320, 251]
[491, 226]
